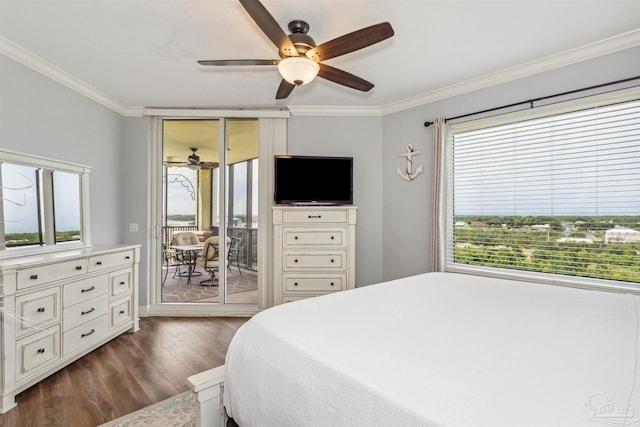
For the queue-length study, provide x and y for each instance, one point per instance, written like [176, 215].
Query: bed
[437, 349]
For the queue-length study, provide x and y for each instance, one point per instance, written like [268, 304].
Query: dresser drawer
[120, 312]
[121, 282]
[39, 309]
[48, 273]
[314, 260]
[301, 237]
[102, 262]
[314, 283]
[85, 334]
[84, 311]
[314, 216]
[73, 293]
[37, 351]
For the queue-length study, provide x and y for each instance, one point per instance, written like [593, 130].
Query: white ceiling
[143, 53]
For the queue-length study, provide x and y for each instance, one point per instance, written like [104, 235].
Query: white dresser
[60, 306]
[314, 251]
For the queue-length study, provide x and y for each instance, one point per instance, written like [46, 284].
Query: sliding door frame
[272, 140]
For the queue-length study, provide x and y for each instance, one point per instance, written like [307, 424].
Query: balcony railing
[248, 253]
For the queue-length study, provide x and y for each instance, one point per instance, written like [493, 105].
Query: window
[555, 197]
[43, 206]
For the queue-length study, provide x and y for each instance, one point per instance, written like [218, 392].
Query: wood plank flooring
[126, 374]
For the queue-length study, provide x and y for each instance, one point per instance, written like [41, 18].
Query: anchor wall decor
[410, 175]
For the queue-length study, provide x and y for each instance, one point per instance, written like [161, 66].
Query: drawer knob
[78, 267]
[295, 260]
[127, 257]
[41, 351]
[88, 311]
[40, 310]
[88, 333]
[332, 238]
[315, 216]
[121, 311]
[295, 238]
[331, 283]
[87, 290]
[295, 284]
[121, 283]
[99, 263]
[332, 260]
[33, 277]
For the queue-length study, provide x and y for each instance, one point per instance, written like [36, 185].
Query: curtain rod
[542, 98]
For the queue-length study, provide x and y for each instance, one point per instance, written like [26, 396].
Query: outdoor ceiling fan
[193, 162]
[301, 59]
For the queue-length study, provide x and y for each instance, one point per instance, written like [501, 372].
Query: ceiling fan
[193, 162]
[300, 57]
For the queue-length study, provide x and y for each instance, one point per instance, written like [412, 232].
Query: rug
[177, 290]
[178, 411]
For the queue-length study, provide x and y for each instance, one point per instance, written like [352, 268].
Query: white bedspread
[440, 349]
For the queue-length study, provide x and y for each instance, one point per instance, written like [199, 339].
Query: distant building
[621, 235]
[541, 226]
[478, 224]
[574, 240]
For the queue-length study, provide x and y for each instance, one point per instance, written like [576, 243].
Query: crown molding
[582, 53]
[589, 51]
[28, 59]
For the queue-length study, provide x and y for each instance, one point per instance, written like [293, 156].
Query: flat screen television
[313, 180]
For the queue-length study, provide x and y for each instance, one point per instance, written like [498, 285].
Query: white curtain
[439, 200]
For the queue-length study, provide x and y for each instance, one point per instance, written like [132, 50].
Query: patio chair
[210, 259]
[184, 259]
[233, 257]
[168, 260]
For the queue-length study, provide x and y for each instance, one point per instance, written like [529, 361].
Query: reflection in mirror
[44, 204]
[20, 205]
[66, 198]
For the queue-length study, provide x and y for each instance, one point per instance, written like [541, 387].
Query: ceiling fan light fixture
[298, 70]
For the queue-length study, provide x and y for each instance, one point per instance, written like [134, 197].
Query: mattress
[439, 349]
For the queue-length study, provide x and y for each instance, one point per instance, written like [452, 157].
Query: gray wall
[136, 196]
[39, 116]
[360, 138]
[407, 206]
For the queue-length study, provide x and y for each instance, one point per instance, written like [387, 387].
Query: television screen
[313, 180]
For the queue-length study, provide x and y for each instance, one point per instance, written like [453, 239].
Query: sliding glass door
[210, 211]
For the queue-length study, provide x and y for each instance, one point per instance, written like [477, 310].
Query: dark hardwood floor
[126, 374]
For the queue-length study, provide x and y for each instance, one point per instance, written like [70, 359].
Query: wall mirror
[45, 204]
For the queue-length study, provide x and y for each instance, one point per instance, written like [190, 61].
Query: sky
[182, 182]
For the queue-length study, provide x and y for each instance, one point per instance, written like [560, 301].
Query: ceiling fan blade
[209, 165]
[240, 62]
[284, 89]
[343, 78]
[351, 42]
[269, 26]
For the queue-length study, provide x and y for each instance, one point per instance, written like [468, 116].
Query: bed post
[207, 390]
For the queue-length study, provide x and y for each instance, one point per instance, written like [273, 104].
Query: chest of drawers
[314, 251]
[57, 307]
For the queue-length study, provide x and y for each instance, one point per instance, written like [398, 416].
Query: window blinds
[557, 194]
